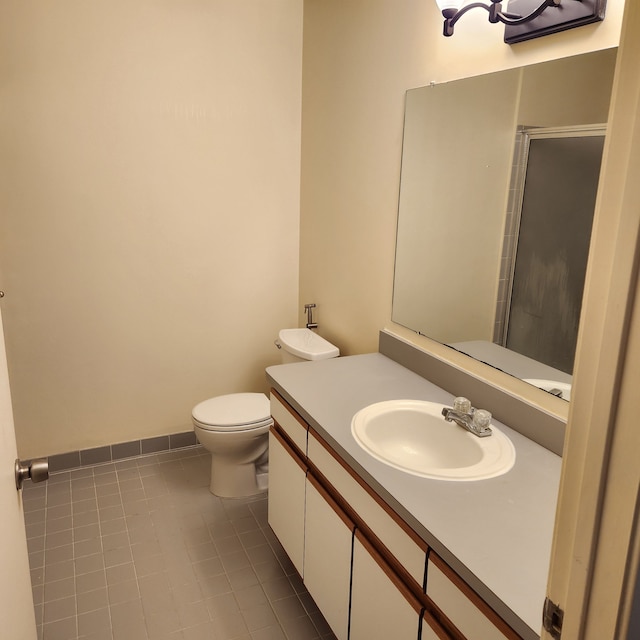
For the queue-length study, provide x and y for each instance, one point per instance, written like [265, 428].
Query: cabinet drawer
[409, 550]
[290, 422]
[464, 608]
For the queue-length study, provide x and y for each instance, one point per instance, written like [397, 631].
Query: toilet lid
[240, 410]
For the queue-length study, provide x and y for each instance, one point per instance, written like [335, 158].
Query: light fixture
[527, 19]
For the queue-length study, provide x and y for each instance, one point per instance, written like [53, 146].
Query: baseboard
[121, 451]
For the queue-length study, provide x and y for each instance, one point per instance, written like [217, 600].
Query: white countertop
[495, 533]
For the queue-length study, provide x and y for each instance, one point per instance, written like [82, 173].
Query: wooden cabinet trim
[472, 596]
[289, 447]
[381, 503]
[390, 573]
[328, 498]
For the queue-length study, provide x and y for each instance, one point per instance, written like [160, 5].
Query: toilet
[234, 428]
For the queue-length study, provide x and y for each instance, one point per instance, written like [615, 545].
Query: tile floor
[140, 550]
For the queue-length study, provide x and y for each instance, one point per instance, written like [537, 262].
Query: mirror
[464, 179]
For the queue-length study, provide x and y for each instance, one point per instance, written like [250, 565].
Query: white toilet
[234, 428]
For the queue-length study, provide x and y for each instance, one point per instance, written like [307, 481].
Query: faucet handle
[462, 405]
[482, 420]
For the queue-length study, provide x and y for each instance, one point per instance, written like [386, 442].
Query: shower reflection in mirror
[547, 242]
[496, 210]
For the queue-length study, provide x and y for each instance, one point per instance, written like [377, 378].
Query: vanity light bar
[527, 19]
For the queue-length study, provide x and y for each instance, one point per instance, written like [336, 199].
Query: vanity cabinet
[370, 574]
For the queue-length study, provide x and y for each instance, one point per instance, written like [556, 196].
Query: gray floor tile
[61, 630]
[60, 571]
[59, 609]
[88, 564]
[61, 511]
[56, 589]
[52, 556]
[88, 582]
[270, 633]
[89, 601]
[53, 526]
[92, 621]
[120, 573]
[140, 549]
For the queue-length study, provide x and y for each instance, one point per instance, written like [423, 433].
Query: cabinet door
[327, 557]
[287, 473]
[381, 606]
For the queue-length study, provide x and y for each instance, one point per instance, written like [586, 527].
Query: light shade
[443, 5]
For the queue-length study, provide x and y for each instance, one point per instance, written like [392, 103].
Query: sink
[413, 436]
[560, 389]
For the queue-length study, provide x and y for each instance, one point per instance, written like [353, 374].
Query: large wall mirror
[497, 192]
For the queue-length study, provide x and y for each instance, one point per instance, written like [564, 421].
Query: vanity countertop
[495, 533]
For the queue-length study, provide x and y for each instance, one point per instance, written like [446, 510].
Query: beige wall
[584, 82]
[149, 197]
[359, 58]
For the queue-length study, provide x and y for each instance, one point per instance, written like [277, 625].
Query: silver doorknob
[37, 470]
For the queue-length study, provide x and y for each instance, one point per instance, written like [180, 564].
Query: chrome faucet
[309, 309]
[477, 421]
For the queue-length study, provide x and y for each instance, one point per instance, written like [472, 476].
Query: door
[594, 559]
[17, 618]
[557, 200]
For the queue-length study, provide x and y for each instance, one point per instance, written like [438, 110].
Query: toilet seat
[233, 412]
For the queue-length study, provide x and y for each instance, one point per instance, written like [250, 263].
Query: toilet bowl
[234, 428]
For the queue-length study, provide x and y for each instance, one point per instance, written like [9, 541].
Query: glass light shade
[444, 5]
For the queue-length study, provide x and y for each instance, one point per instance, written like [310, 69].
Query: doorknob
[37, 470]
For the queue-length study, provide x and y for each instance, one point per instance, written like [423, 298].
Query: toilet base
[233, 480]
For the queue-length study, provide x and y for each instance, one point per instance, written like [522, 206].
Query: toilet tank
[300, 345]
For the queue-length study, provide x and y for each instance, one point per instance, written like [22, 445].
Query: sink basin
[560, 389]
[413, 436]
